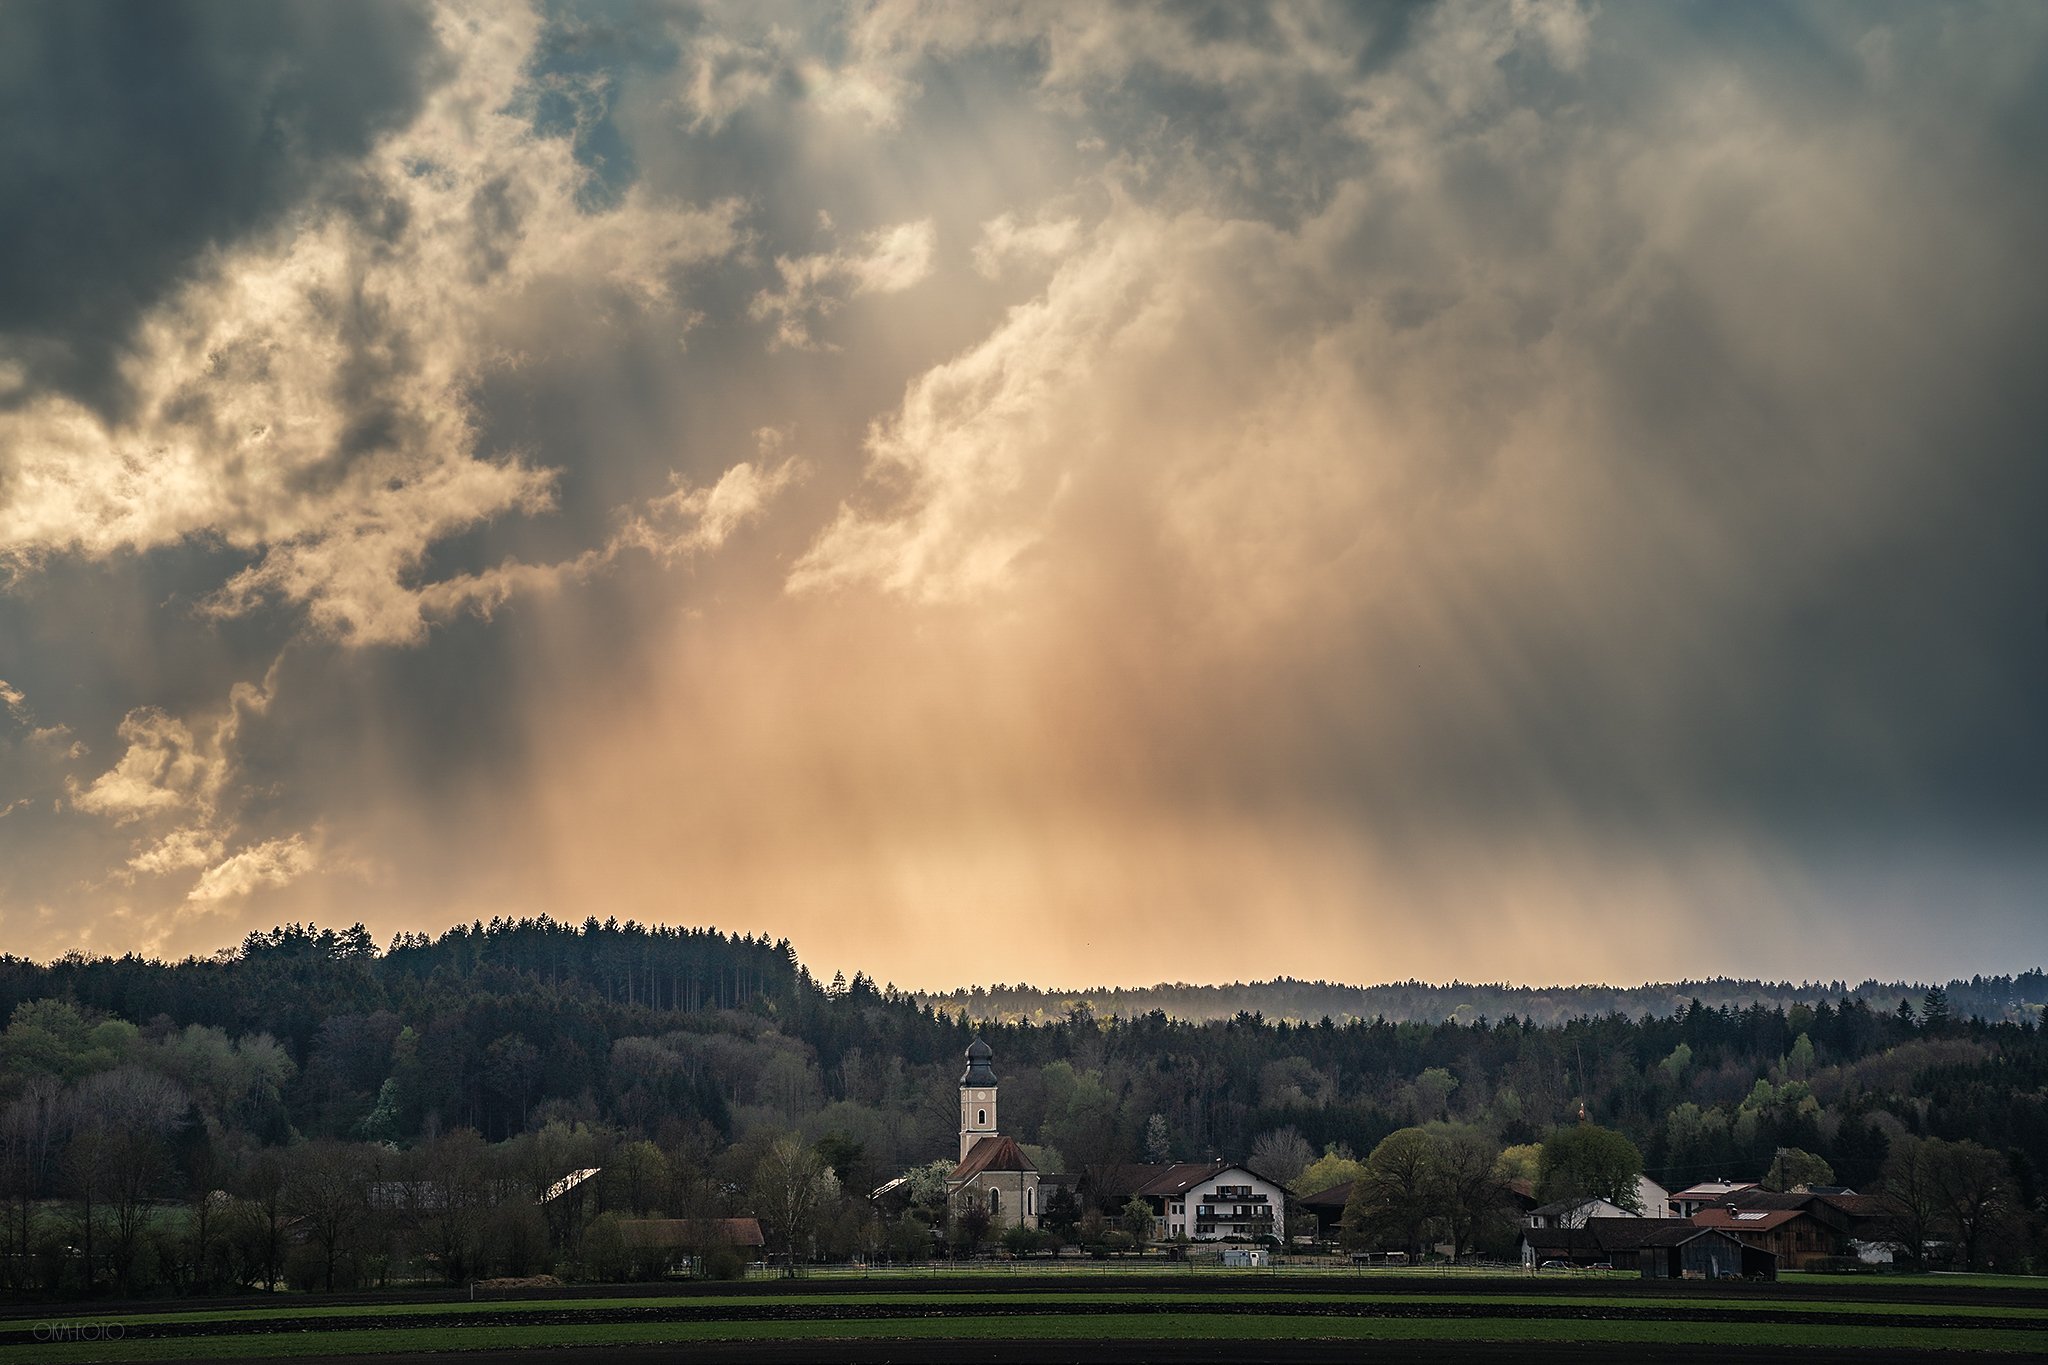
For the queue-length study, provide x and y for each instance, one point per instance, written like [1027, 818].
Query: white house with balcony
[1208, 1201]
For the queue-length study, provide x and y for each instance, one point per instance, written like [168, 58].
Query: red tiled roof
[992, 1154]
[1746, 1220]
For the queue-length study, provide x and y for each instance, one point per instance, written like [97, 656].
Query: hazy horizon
[824, 973]
[1531, 491]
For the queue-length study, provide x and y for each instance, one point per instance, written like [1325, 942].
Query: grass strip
[1134, 1327]
[1935, 1280]
[287, 1316]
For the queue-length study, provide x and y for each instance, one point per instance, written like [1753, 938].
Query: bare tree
[207, 1163]
[126, 1118]
[791, 1186]
[30, 1129]
[263, 1185]
[328, 1186]
[87, 1155]
[1977, 1200]
[638, 1173]
[1281, 1155]
[1912, 1194]
[453, 1198]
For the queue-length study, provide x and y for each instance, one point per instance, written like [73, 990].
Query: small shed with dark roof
[1674, 1253]
[1660, 1248]
[1329, 1203]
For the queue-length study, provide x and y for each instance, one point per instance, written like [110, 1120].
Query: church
[1199, 1200]
[993, 1169]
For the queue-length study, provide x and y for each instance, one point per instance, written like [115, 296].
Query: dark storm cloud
[1455, 483]
[134, 137]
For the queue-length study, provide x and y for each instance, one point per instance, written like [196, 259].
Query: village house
[1653, 1199]
[1211, 1200]
[1804, 1225]
[1707, 1193]
[1796, 1236]
[1574, 1213]
[1863, 1224]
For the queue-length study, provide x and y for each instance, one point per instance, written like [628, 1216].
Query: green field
[1987, 1317]
[1092, 1300]
[1248, 1326]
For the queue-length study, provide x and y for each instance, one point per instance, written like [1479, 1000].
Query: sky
[1081, 493]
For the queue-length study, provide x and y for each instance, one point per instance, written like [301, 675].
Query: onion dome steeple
[979, 1072]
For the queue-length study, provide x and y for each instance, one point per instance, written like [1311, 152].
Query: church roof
[992, 1154]
[979, 1072]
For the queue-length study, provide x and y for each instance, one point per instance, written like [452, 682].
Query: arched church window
[992, 1201]
[981, 1118]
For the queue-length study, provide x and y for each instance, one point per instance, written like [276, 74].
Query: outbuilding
[1702, 1254]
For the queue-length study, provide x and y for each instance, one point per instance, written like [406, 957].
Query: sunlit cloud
[163, 770]
[1526, 490]
[888, 261]
[273, 863]
[1005, 241]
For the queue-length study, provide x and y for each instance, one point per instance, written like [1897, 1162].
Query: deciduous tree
[1586, 1161]
[1396, 1197]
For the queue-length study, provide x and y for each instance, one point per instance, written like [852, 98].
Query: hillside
[1992, 998]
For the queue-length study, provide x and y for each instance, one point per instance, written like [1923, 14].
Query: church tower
[977, 1097]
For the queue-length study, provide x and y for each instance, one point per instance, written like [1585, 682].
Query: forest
[1986, 997]
[311, 1109]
